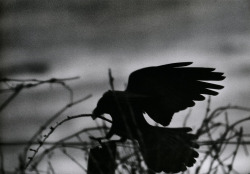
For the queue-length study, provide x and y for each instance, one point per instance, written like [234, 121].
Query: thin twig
[48, 122]
[111, 80]
[73, 159]
[230, 166]
[52, 129]
[11, 97]
[187, 118]
[63, 143]
[2, 170]
[30, 83]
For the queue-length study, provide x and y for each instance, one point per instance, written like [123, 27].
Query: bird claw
[99, 139]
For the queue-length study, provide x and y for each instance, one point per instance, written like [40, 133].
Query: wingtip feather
[180, 64]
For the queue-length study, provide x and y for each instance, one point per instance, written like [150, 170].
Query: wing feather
[172, 87]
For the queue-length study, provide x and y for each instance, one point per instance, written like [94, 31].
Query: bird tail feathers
[169, 149]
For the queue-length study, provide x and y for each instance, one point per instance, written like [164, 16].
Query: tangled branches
[221, 133]
[222, 139]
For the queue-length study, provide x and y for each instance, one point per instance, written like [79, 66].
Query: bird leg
[107, 137]
[111, 133]
[98, 139]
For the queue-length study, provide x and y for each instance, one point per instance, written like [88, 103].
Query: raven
[160, 92]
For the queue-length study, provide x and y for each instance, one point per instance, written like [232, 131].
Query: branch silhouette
[143, 145]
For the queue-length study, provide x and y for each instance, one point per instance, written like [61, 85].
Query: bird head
[103, 105]
[96, 113]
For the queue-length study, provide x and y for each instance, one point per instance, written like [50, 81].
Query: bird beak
[95, 114]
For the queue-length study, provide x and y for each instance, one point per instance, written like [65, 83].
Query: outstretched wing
[171, 88]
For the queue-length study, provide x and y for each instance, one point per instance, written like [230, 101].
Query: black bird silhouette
[160, 92]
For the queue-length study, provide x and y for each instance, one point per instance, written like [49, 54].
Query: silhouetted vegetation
[220, 139]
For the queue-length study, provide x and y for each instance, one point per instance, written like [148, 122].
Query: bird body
[160, 92]
[126, 119]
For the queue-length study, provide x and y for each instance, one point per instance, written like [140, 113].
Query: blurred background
[61, 39]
